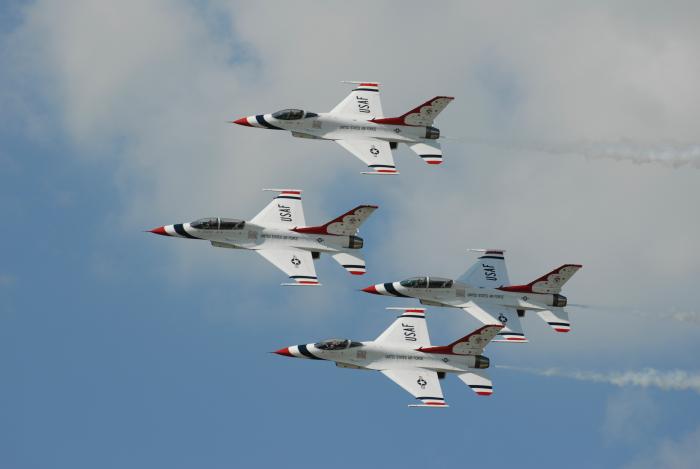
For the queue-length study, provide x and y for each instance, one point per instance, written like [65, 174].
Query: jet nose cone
[242, 121]
[159, 231]
[284, 351]
[371, 289]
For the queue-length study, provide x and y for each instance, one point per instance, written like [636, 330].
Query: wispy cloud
[673, 380]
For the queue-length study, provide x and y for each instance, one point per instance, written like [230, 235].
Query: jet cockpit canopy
[439, 282]
[292, 114]
[426, 282]
[336, 344]
[218, 224]
[415, 282]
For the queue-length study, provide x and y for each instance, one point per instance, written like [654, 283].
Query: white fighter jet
[279, 234]
[404, 355]
[358, 125]
[485, 292]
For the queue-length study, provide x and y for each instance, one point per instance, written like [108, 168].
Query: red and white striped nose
[284, 352]
[178, 230]
[300, 351]
[159, 231]
[388, 289]
[243, 121]
[261, 121]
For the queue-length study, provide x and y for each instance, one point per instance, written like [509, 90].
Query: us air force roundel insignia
[374, 150]
[296, 261]
[503, 318]
[421, 382]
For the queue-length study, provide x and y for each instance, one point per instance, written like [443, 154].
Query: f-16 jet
[485, 292]
[358, 124]
[279, 234]
[404, 355]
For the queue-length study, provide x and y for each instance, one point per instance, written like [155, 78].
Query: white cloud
[630, 416]
[683, 453]
[150, 86]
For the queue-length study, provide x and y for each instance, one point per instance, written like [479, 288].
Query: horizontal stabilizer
[557, 318]
[478, 381]
[429, 151]
[353, 264]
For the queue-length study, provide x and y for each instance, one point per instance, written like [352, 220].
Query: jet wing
[478, 381]
[298, 264]
[374, 153]
[493, 314]
[362, 102]
[422, 384]
[285, 210]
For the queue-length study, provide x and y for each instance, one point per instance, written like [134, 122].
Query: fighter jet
[358, 125]
[279, 234]
[485, 292]
[404, 355]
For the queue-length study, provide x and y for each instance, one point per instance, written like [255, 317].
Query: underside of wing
[493, 314]
[422, 384]
[374, 153]
[296, 263]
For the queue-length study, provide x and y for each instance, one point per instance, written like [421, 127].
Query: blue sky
[574, 140]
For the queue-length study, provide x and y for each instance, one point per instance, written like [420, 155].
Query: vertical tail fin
[470, 344]
[345, 225]
[548, 283]
[422, 115]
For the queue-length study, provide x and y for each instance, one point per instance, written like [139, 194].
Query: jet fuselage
[374, 356]
[445, 292]
[329, 126]
[245, 235]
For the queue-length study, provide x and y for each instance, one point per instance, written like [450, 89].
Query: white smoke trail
[674, 380]
[684, 316]
[672, 155]
[692, 317]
